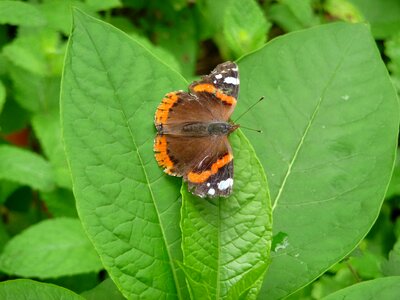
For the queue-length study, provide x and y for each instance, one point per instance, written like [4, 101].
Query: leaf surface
[49, 249]
[226, 241]
[29, 289]
[110, 91]
[330, 126]
[25, 167]
[387, 288]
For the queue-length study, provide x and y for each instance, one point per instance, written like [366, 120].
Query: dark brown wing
[221, 88]
[204, 162]
[213, 98]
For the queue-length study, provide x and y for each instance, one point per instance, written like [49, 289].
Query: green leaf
[97, 5]
[383, 15]
[330, 133]
[60, 203]
[13, 117]
[343, 10]
[49, 249]
[392, 50]
[226, 241]
[130, 211]
[41, 52]
[26, 168]
[106, 290]
[391, 267]
[394, 186]
[58, 13]
[387, 288]
[2, 95]
[245, 27]
[29, 289]
[33, 92]
[293, 15]
[48, 130]
[20, 13]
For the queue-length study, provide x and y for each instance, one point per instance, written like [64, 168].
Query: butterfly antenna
[252, 129]
[248, 109]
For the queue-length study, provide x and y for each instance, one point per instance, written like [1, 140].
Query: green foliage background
[87, 213]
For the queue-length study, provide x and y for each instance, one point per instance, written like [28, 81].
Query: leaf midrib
[310, 122]
[176, 281]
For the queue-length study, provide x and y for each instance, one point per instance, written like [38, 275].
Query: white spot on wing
[218, 76]
[208, 184]
[224, 184]
[234, 69]
[211, 192]
[232, 80]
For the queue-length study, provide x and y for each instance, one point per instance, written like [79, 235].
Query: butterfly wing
[206, 163]
[221, 88]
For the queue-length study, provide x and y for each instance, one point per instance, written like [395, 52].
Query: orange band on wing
[203, 176]
[163, 109]
[164, 161]
[209, 88]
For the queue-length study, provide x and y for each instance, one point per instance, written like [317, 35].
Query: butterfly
[192, 132]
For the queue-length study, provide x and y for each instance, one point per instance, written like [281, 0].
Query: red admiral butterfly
[192, 132]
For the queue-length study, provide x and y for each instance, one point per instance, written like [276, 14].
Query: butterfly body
[192, 130]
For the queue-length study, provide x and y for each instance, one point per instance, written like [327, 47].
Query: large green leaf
[226, 242]
[49, 249]
[111, 88]
[25, 167]
[387, 288]
[330, 131]
[29, 289]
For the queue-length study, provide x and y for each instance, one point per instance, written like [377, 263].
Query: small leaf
[48, 130]
[293, 15]
[106, 290]
[49, 249]
[245, 27]
[2, 95]
[381, 288]
[60, 203]
[29, 289]
[391, 267]
[97, 5]
[384, 16]
[26, 168]
[226, 242]
[20, 13]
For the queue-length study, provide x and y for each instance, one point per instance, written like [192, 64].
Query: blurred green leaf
[394, 186]
[330, 129]
[106, 290]
[97, 5]
[383, 15]
[343, 10]
[13, 117]
[33, 92]
[293, 15]
[26, 168]
[226, 242]
[29, 289]
[38, 51]
[387, 288]
[48, 130]
[392, 50]
[2, 95]
[245, 27]
[122, 197]
[391, 267]
[60, 203]
[6, 189]
[59, 13]
[328, 284]
[51, 248]
[20, 13]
